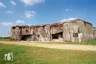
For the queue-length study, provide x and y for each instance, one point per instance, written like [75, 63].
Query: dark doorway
[25, 37]
[57, 35]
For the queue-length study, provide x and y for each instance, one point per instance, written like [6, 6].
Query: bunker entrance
[57, 35]
[26, 37]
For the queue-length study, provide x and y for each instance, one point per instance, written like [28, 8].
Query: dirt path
[55, 46]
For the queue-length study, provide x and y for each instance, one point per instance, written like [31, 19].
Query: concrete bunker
[69, 31]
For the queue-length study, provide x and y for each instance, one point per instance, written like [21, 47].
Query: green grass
[3, 39]
[84, 43]
[38, 55]
[92, 42]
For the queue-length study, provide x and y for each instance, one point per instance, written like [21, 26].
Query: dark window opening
[57, 35]
[13, 27]
[75, 34]
[78, 30]
[25, 37]
[27, 31]
[38, 35]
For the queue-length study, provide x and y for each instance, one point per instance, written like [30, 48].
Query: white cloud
[63, 20]
[29, 14]
[20, 21]
[2, 5]
[67, 10]
[31, 2]
[6, 24]
[13, 3]
[9, 12]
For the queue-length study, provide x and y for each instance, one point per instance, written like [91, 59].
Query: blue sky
[34, 12]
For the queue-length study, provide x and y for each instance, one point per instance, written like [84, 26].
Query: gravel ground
[54, 46]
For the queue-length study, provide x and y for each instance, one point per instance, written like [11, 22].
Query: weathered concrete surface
[69, 31]
[77, 31]
[94, 33]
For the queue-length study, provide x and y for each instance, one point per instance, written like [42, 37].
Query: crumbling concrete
[69, 31]
[77, 31]
[94, 33]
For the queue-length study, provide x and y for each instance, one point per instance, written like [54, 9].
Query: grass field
[82, 43]
[86, 43]
[38, 55]
[3, 39]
